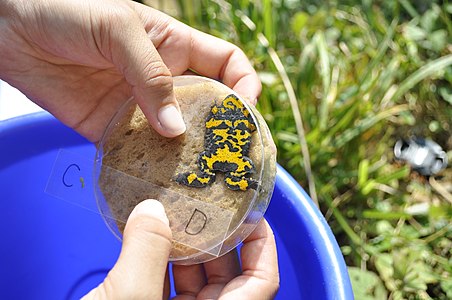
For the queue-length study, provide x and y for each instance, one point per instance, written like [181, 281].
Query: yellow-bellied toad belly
[229, 127]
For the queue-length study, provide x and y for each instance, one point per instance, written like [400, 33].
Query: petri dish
[215, 180]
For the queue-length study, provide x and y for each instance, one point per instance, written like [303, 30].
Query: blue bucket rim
[337, 275]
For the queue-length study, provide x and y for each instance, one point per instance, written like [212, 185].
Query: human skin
[141, 267]
[81, 60]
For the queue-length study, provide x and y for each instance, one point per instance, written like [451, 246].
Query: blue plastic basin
[51, 249]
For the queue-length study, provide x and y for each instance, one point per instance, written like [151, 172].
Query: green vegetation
[342, 80]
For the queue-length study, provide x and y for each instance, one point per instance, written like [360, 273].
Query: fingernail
[250, 100]
[151, 208]
[171, 120]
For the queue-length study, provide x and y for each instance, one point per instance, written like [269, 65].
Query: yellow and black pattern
[227, 142]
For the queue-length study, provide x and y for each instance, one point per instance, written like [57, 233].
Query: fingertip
[150, 208]
[171, 121]
[252, 101]
[140, 270]
[249, 87]
[164, 116]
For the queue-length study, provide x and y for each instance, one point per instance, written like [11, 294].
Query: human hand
[140, 270]
[81, 60]
[256, 276]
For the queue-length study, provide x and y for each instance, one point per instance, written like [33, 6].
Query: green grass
[342, 80]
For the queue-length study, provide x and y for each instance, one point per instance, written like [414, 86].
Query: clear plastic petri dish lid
[215, 180]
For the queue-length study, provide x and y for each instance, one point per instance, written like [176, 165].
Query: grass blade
[380, 52]
[296, 114]
[365, 124]
[325, 75]
[426, 71]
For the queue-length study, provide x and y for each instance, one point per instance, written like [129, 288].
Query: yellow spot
[191, 178]
[204, 180]
[242, 184]
[224, 155]
[232, 102]
[213, 123]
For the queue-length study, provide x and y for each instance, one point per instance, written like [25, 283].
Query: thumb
[140, 270]
[134, 54]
